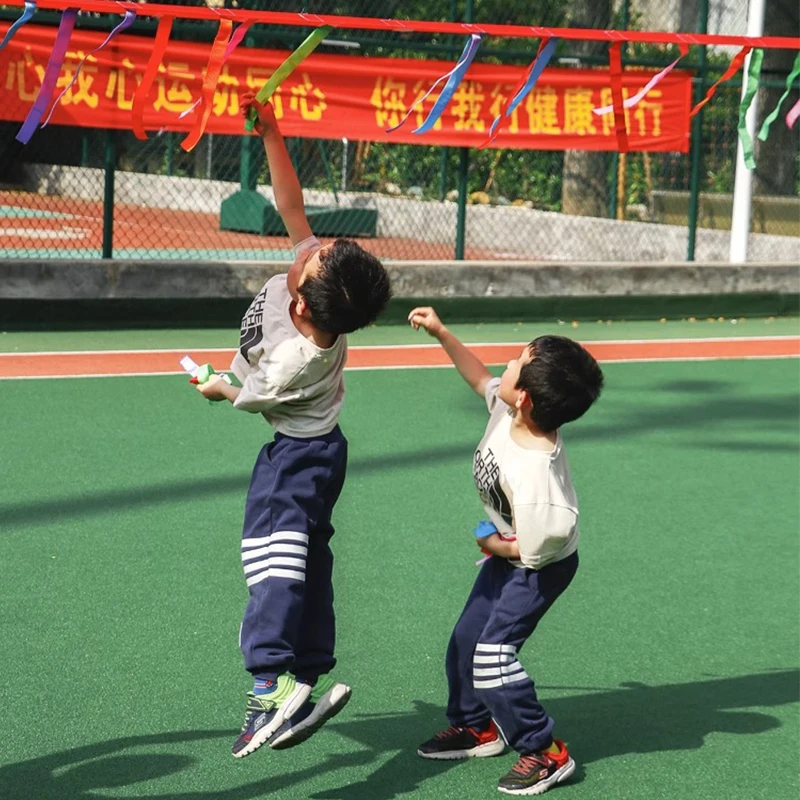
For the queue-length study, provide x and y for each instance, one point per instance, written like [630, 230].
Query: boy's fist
[265, 114]
[425, 317]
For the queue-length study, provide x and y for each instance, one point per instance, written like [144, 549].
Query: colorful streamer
[733, 68]
[792, 116]
[51, 73]
[464, 55]
[27, 14]
[615, 72]
[455, 77]
[750, 92]
[235, 41]
[127, 21]
[215, 61]
[285, 70]
[523, 88]
[764, 132]
[630, 102]
[140, 98]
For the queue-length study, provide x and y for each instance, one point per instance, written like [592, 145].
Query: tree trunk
[584, 186]
[776, 163]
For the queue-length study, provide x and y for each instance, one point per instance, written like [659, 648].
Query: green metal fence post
[108, 193]
[170, 153]
[697, 138]
[443, 150]
[463, 167]
[461, 217]
[613, 183]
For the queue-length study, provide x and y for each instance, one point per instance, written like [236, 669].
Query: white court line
[432, 346]
[390, 367]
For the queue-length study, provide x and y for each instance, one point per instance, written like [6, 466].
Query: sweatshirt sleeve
[490, 394]
[543, 531]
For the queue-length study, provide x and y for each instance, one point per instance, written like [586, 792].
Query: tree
[585, 180]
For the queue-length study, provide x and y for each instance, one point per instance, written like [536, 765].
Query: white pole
[743, 183]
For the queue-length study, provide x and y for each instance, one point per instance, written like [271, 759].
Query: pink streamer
[127, 21]
[652, 83]
[792, 116]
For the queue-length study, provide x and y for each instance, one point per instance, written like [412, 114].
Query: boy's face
[508, 392]
[306, 265]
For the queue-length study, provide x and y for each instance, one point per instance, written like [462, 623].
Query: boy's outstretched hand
[425, 317]
[265, 121]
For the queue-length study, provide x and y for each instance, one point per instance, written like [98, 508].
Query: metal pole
[743, 182]
[613, 189]
[697, 138]
[209, 154]
[170, 153]
[463, 168]
[461, 217]
[108, 194]
[443, 150]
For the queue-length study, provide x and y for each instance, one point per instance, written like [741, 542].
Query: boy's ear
[523, 400]
[301, 307]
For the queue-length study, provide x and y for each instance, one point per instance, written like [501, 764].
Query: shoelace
[453, 730]
[529, 762]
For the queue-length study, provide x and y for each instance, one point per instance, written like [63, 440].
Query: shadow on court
[634, 718]
[45, 511]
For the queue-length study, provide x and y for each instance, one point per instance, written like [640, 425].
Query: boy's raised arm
[285, 184]
[471, 368]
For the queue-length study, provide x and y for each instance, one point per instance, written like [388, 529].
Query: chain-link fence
[57, 198]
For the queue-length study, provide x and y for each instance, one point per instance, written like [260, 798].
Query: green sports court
[670, 665]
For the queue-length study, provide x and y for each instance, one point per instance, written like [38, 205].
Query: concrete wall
[31, 279]
[510, 232]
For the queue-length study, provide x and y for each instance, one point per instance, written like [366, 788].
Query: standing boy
[522, 477]
[292, 352]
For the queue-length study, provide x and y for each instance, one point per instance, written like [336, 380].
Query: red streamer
[215, 62]
[615, 70]
[734, 67]
[140, 98]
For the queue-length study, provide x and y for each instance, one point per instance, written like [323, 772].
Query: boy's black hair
[351, 288]
[563, 380]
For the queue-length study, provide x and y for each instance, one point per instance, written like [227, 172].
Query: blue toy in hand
[484, 528]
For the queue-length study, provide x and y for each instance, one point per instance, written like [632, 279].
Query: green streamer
[753, 73]
[764, 132]
[285, 70]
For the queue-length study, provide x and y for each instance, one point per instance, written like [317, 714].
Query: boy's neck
[526, 433]
[310, 330]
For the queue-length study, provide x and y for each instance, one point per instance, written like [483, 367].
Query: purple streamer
[48, 86]
[127, 21]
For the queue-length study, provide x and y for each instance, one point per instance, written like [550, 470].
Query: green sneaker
[326, 700]
[266, 713]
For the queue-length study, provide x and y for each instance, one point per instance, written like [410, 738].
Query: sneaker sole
[539, 788]
[293, 702]
[329, 705]
[481, 751]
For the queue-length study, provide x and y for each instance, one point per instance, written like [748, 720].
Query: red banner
[334, 97]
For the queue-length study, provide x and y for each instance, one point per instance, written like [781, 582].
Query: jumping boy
[521, 473]
[290, 360]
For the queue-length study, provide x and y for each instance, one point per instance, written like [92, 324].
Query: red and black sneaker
[457, 742]
[537, 772]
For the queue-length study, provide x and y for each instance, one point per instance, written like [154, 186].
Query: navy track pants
[289, 624]
[485, 678]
